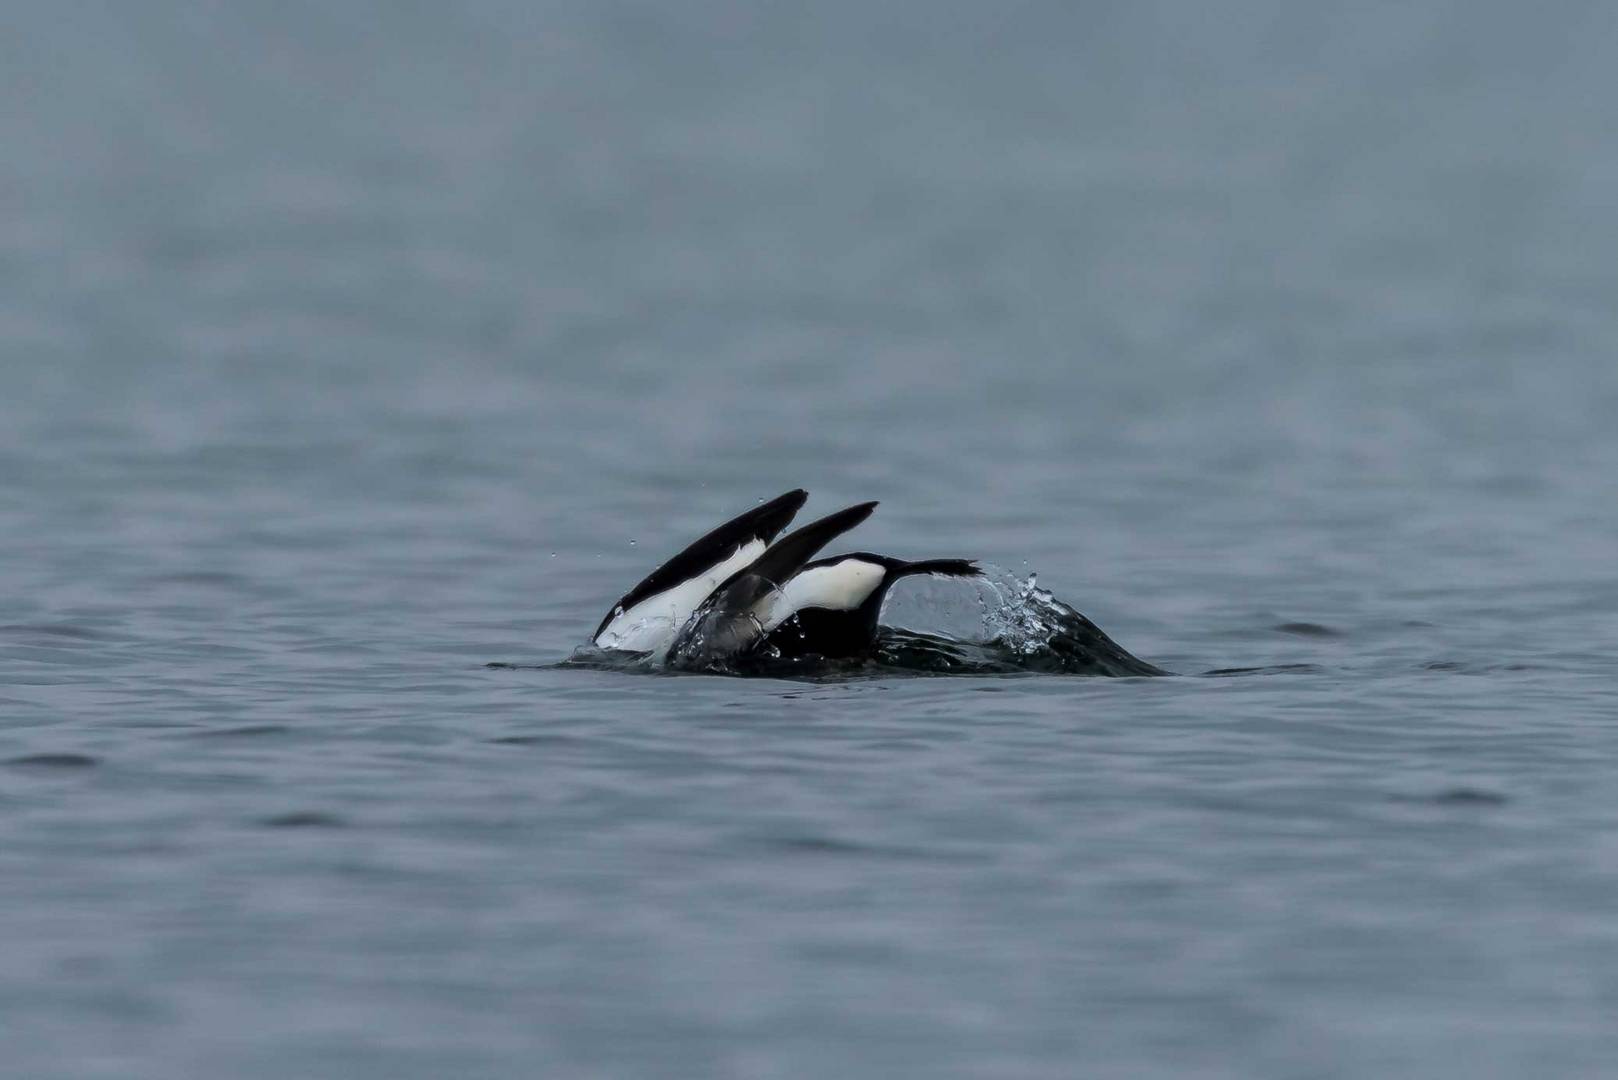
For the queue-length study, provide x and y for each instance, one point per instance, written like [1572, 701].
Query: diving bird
[740, 595]
[648, 617]
[830, 607]
[736, 616]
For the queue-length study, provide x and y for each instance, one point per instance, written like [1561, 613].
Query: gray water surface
[346, 349]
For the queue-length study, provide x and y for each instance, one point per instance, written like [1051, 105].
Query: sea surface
[347, 349]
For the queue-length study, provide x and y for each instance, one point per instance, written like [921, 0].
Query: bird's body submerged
[833, 605]
[738, 594]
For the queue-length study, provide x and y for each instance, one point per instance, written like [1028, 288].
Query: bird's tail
[942, 567]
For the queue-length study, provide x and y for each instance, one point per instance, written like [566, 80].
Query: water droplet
[553, 554]
[631, 541]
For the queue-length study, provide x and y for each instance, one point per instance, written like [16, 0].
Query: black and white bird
[740, 594]
[647, 617]
[738, 590]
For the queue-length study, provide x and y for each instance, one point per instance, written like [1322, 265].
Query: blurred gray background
[346, 347]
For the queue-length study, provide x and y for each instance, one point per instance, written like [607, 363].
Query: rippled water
[345, 351]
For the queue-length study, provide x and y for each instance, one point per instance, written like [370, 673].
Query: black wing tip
[771, 517]
[857, 512]
[794, 498]
[840, 521]
[833, 524]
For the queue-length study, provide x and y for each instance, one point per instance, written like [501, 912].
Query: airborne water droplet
[631, 541]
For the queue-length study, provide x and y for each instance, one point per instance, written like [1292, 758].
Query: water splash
[1025, 622]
